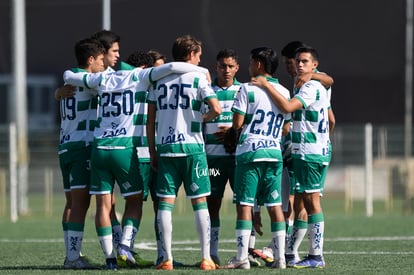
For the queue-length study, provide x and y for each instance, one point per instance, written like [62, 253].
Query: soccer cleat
[237, 264]
[279, 263]
[140, 261]
[125, 258]
[259, 254]
[111, 264]
[207, 265]
[79, 263]
[291, 259]
[175, 263]
[165, 265]
[309, 263]
[253, 261]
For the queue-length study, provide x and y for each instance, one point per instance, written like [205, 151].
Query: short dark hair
[107, 38]
[86, 48]
[156, 55]
[291, 47]
[138, 59]
[308, 49]
[226, 53]
[267, 56]
[183, 46]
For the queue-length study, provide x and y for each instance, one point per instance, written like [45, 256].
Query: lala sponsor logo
[114, 132]
[263, 145]
[172, 138]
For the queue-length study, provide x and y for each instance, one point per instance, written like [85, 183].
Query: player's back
[178, 99]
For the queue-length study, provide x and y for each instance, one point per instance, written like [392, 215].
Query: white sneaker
[279, 263]
[237, 264]
[79, 263]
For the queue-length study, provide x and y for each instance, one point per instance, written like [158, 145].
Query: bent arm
[215, 109]
[82, 79]
[286, 106]
[326, 80]
[174, 67]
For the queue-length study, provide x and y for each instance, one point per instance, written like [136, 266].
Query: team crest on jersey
[172, 137]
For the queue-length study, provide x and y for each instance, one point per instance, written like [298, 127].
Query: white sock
[202, 219]
[74, 244]
[65, 239]
[164, 219]
[316, 231]
[295, 240]
[278, 241]
[242, 239]
[128, 236]
[107, 246]
[252, 239]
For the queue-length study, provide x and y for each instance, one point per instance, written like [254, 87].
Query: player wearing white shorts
[114, 155]
[178, 153]
[259, 161]
[310, 149]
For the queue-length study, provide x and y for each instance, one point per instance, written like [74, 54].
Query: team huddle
[152, 126]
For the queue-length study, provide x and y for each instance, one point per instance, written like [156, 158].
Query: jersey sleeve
[306, 94]
[240, 101]
[174, 67]
[82, 79]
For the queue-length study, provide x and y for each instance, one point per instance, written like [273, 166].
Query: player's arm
[161, 71]
[286, 106]
[82, 79]
[331, 118]
[326, 80]
[215, 109]
[65, 91]
[151, 135]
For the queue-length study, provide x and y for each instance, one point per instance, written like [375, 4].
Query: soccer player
[221, 163]
[114, 155]
[258, 157]
[311, 149]
[179, 154]
[78, 117]
[297, 220]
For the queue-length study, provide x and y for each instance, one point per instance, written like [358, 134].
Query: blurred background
[362, 45]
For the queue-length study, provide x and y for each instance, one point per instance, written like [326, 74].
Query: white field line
[192, 245]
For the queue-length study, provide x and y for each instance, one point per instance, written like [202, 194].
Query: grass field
[354, 244]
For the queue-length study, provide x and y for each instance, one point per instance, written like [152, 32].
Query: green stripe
[83, 105]
[243, 224]
[195, 83]
[162, 205]
[196, 105]
[315, 218]
[141, 96]
[140, 119]
[300, 224]
[250, 96]
[277, 226]
[74, 226]
[195, 127]
[200, 206]
[104, 231]
[311, 116]
[81, 125]
[130, 221]
[85, 82]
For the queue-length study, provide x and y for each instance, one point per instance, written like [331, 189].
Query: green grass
[354, 244]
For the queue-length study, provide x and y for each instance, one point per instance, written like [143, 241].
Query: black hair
[107, 38]
[291, 47]
[86, 48]
[139, 59]
[226, 53]
[267, 56]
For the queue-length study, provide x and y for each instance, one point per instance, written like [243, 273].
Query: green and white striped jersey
[77, 118]
[122, 99]
[178, 100]
[310, 130]
[225, 97]
[261, 135]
